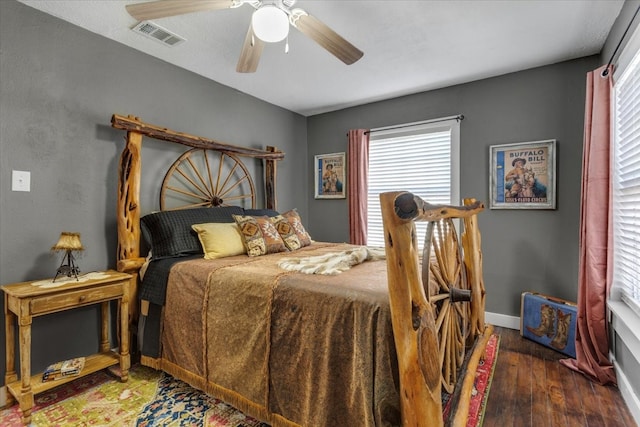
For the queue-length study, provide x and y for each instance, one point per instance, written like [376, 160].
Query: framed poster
[523, 175]
[329, 176]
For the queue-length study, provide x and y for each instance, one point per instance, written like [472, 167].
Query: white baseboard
[502, 320]
[3, 396]
[629, 396]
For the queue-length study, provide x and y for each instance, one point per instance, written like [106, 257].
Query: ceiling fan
[269, 23]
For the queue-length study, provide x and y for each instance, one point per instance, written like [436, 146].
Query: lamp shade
[270, 24]
[68, 241]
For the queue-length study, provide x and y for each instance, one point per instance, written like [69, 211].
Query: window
[626, 176]
[422, 158]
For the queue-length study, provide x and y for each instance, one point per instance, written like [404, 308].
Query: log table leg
[26, 397]
[104, 333]
[125, 359]
[10, 348]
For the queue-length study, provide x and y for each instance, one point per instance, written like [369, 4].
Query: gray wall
[59, 86]
[522, 249]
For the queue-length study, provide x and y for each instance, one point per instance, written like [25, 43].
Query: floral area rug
[149, 398]
[481, 384]
[152, 398]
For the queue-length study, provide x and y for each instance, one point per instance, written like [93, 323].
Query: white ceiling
[409, 46]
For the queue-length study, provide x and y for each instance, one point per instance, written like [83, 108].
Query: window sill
[626, 323]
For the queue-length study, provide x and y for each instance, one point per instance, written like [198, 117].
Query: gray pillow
[261, 212]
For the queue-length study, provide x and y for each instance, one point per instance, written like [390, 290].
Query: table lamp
[68, 242]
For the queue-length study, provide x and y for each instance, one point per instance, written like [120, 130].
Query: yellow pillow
[220, 240]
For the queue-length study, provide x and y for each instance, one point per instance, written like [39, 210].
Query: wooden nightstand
[23, 301]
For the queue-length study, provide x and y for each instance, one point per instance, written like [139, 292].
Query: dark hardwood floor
[531, 388]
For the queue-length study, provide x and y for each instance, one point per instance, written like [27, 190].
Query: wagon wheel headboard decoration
[207, 178]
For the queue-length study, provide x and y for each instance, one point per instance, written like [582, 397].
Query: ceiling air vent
[156, 32]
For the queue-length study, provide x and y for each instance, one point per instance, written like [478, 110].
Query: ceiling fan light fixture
[270, 24]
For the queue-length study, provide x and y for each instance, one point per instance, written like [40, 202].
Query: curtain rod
[459, 117]
[605, 72]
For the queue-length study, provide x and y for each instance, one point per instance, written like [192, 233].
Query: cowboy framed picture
[523, 175]
[329, 176]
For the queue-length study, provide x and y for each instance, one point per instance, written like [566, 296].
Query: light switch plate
[21, 181]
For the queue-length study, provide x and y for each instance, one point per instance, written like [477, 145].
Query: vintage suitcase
[549, 321]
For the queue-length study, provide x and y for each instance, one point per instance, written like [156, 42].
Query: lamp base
[70, 269]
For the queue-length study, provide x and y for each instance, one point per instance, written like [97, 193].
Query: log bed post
[129, 198]
[413, 322]
[270, 181]
[471, 243]
[128, 215]
[412, 313]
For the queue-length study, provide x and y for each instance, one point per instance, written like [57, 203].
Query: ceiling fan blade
[250, 55]
[328, 39]
[164, 8]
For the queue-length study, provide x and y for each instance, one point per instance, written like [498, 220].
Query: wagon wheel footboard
[437, 304]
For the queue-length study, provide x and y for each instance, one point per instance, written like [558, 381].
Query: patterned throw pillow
[295, 221]
[259, 235]
[286, 231]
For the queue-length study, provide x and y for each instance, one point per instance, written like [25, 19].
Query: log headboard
[129, 258]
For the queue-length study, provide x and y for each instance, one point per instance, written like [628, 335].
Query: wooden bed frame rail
[413, 319]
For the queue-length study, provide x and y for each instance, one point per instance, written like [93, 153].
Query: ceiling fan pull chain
[286, 45]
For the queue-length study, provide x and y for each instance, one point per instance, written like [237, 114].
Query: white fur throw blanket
[332, 263]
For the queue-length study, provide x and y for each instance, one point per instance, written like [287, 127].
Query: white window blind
[626, 182]
[420, 158]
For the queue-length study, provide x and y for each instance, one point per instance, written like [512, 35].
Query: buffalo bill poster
[523, 175]
[330, 176]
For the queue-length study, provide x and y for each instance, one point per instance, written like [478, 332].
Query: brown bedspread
[285, 347]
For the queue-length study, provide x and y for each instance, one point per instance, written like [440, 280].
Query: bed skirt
[228, 396]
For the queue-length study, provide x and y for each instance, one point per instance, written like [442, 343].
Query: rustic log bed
[435, 302]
